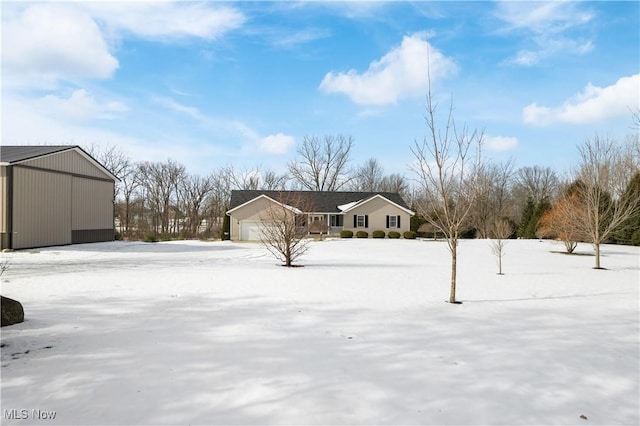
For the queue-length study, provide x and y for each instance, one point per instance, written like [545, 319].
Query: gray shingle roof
[322, 201]
[14, 154]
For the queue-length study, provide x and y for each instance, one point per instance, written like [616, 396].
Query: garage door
[249, 231]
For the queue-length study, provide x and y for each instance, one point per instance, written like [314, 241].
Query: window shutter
[355, 220]
[366, 220]
[398, 221]
[387, 221]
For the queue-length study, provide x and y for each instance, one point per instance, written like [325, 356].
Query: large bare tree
[604, 175]
[447, 161]
[323, 164]
[492, 203]
[194, 190]
[368, 177]
[160, 182]
[284, 227]
[129, 183]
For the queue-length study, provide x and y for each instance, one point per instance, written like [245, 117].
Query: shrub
[409, 235]
[394, 234]
[150, 238]
[378, 234]
[362, 234]
[346, 234]
[117, 236]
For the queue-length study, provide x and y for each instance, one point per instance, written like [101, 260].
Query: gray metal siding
[69, 162]
[92, 204]
[4, 201]
[41, 208]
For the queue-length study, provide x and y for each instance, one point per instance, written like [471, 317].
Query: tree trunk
[454, 268]
[597, 247]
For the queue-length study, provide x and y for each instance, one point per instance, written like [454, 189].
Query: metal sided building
[54, 195]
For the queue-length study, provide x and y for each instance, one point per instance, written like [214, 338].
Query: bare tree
[194, 189]
[284, 227]
[500, 233]
[635, 117]
[322, 165]
[129, 183]
[395, 182]
[492, 198]
[160, 182]
[368, 177]
[446, 166]
[604, 179]
[537, 183]
[254, 178]
[110, 157]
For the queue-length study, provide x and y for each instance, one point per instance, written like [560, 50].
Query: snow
[217, 333]
[348, 206]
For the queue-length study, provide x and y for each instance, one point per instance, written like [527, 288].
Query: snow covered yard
[216, 333]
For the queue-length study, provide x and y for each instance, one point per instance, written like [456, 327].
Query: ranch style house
[326, 212]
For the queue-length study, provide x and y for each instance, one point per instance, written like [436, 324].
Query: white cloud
[500, 143]
[277, 144]
[403, 72]
[181, 108]
[591, 105]
[542, 17]
[168, 20]
[49, 42]
[291, 40]
[548, 24]
[79, 106]
[44, 43]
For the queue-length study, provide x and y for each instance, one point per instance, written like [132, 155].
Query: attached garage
[54, 195]
[249, 230]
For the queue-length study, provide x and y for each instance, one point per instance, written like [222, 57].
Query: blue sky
[215, 83]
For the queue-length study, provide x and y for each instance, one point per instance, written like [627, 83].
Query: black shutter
[387, 221]
[398, 221]
[366, 220]
[355, 220]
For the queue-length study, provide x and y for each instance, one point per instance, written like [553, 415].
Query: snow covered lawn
[217, 333]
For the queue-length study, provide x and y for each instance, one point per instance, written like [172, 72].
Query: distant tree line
[165, 200]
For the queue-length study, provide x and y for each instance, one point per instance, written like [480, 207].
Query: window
[393, 222]
[336, 220]
[360, 221]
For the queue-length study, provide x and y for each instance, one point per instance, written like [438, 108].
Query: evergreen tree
[525, 218]
[629, 232]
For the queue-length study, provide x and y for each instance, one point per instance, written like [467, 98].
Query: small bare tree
[284, 227]
[446, 167]
[322, 164]
[500, 234]
[604, 179]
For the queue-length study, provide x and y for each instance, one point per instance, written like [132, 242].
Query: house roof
[322, 201]
[15, 154]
